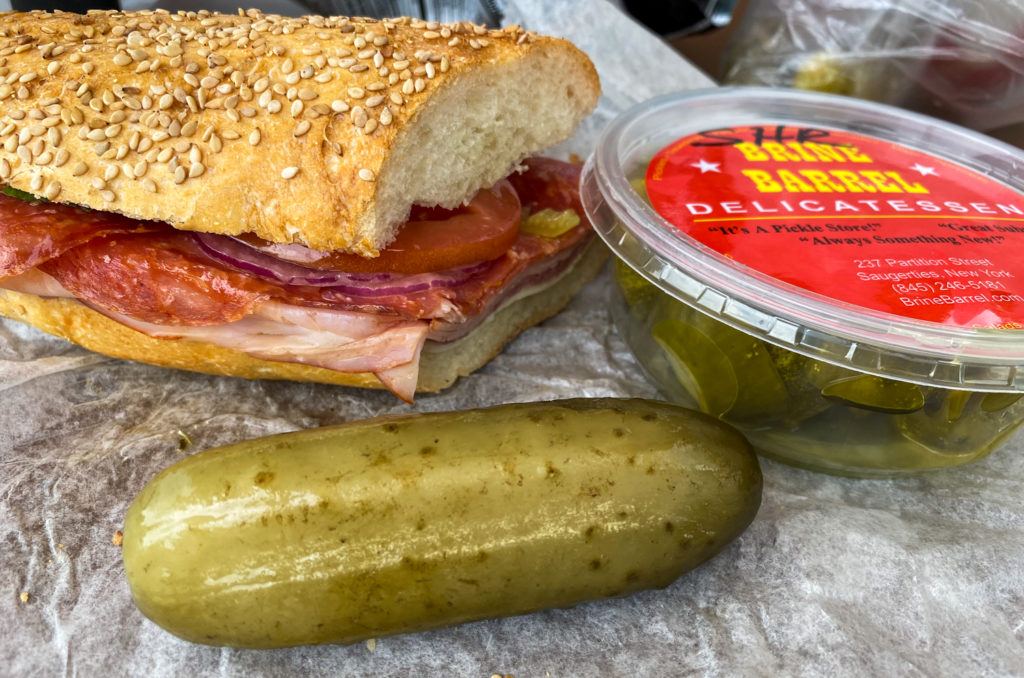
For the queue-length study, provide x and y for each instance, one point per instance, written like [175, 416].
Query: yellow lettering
[793, 183]
[824, 152]
[799, 148]
[751, 152]
[853, 154]
[852, 182]
[879, 180]
[822, 181]
[762, 180]
[779, 152]
[909, 188]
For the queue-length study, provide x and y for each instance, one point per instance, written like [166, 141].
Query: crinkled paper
[836, 577]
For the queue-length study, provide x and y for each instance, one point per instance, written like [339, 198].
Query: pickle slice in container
[962, 422]
[728, 373]
[994, 402]
[638, 292]
[876, 394]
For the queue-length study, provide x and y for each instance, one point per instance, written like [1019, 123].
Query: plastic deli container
[842, 281]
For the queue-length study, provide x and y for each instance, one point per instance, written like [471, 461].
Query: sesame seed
[196, 170]
[289, 172]
[5, 168]
[296, 107]
[386, 117]
[111, 172]
[52, 191]
[306, 94]
[36, 183]
[149, 185]
[359, 116]
[79, 169]
[108, 195]
[366, 175]
[180, 175]
[302, 128]
[122, 59]
[254, 137]
[374, 101]
[140, 169]
[339, 106]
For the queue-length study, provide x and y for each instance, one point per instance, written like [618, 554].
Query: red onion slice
[242, 256]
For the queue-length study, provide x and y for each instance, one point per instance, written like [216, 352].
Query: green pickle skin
[800, 410]
[401, 524]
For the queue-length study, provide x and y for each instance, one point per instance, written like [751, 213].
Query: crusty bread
[440, 364]
[316, 130]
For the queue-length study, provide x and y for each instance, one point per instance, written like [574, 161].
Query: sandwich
[332, 199]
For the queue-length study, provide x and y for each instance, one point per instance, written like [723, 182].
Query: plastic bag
[961, 61]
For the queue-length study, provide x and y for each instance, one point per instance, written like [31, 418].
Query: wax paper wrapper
[915, 577]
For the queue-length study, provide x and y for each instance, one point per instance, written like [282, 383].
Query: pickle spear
[401, 524]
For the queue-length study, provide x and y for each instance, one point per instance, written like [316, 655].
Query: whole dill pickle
[400, 524]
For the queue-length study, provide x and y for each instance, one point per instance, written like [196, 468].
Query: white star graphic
[705, 166]
[924, 171]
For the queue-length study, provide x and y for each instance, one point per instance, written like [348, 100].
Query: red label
[854, 218]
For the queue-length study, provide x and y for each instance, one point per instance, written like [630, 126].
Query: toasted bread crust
[316, 130]
[440, 364]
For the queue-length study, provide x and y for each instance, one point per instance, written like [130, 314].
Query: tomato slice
[433, 239]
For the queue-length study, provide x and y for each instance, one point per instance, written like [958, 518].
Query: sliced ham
[345, 341]
[166, 284]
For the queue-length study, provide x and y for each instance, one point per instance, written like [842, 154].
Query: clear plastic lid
[847, 231]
